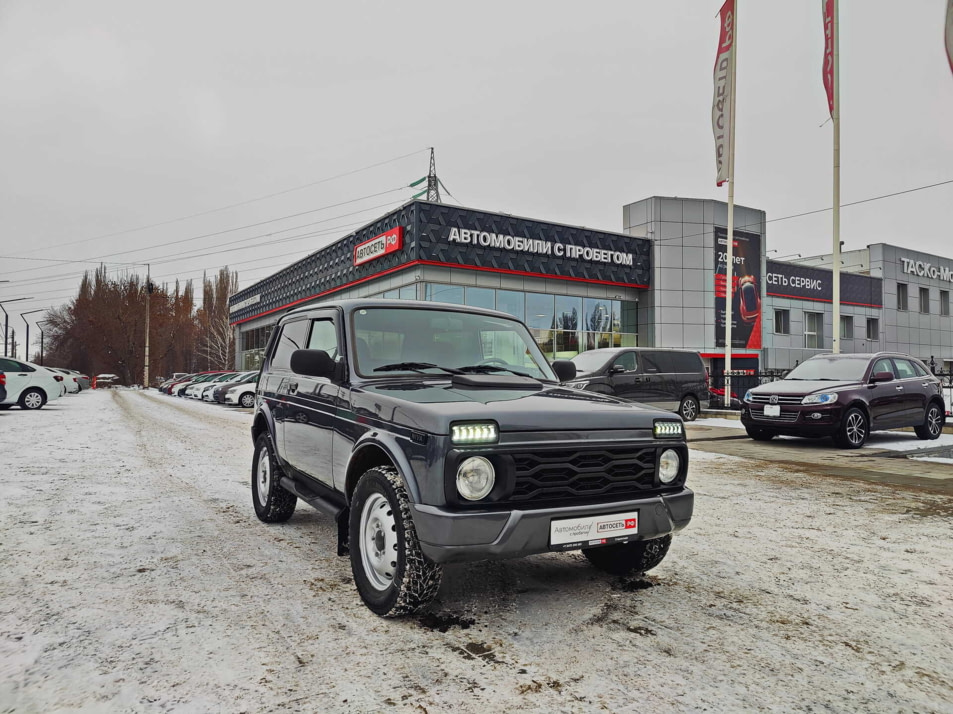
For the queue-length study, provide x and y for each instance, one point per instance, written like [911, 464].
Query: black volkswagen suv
[439, 433]
[846, 396]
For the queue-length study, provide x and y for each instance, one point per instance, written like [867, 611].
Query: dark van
[675, 380]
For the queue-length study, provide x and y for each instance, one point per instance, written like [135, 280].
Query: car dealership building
[660, 282]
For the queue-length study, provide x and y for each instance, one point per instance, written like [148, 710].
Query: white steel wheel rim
[32, 400]
[378, 541]
[263, 476]
[688, 409]
[247, 399]
[855, 428]
[933, 421]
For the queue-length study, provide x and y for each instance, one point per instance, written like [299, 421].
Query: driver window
[883, 365]
[627, 362]
[324, 337]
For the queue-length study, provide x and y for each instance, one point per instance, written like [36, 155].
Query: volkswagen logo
[773, 399]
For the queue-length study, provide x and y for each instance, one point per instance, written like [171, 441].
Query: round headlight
[668, 464]
[475, 478]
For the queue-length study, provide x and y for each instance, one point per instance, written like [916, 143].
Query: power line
[232, 205]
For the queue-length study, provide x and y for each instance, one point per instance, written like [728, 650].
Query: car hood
[431, 405]
[797, 386]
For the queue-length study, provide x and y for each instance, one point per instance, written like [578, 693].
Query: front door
[885, 397]
[18, 376]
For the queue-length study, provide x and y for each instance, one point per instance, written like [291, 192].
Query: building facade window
[901, 296]
[814, 330]
[925, 300]
[944, 302]
[873, 329]
[847, 327]
[782, 322]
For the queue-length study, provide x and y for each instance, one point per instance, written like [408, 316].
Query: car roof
[351, 304]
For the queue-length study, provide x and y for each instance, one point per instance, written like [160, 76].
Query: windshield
[832, 368]
[403, 340]
[591, 361]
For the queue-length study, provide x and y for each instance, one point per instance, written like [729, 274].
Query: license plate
[772, 410]
[591, 531]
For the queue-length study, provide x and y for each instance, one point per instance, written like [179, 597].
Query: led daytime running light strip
[668, 428]
[473, 433]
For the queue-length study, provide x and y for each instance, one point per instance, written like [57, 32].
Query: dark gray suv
[439, 433]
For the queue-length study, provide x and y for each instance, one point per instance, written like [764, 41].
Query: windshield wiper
[485, 368]
[414, 367]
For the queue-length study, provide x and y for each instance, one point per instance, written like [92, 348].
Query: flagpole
[835, 256]
[730, 258]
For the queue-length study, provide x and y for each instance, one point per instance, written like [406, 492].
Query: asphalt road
[135, 577]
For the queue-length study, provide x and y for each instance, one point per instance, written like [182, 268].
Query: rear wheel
[853, 430]
[273, 504]
[32, 399]
[392, 574]
[688, 409]
[247, 400]
[626, 558]
[932, 423]
[760, 434]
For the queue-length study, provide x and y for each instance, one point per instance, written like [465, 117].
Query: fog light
[668, 464]
[475, 478]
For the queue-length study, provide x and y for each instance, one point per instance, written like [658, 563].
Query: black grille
[583, 476]
[781, 399]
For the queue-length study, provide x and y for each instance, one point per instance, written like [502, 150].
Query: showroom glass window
[847, 327]
[901, 296]
[814, 330]
[925, 300]
[873, 328]
[944, 302]
[782, 322]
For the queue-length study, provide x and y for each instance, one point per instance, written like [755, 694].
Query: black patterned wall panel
[329, 268]
[538, 253]
[521, 246]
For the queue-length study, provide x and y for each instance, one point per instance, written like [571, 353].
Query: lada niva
[439, 433]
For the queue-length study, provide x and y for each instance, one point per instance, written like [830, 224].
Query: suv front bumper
[454, 536]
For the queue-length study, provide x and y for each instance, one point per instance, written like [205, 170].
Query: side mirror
[313, 363]
[565, 369]
[878, 377]
[616, 369]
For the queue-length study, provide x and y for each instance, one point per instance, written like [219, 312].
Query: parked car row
[232, 388]
[31, 386]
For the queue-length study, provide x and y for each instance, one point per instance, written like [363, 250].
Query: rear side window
[687, 362]
[9, 365]
[905, 369]
[294, 336]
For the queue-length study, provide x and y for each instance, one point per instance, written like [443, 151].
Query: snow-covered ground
[891, 440]
[135, 577]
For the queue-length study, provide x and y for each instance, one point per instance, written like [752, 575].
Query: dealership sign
[801, 282]
[377, 247]
[253, 300]
[538, 246]
[927, 270]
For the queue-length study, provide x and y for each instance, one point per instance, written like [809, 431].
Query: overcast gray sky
[118, 115]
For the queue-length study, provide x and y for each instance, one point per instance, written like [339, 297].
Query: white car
[243, 395]
[69, 379]
[30, 385]
[207, 394]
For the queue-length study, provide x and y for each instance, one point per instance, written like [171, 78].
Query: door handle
[899, 388]
[293, 387]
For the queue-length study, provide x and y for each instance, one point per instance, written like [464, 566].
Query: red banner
[721, 103]
[827, 71]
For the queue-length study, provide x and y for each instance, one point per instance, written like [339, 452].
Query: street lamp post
[6, 322]
[22, 317]
[38, 323]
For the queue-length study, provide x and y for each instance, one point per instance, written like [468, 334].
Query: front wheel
[625, 558]
[932, 423]
[273, 504]
[32, 399]
[392, 574]
[853, 430]
[688, 409]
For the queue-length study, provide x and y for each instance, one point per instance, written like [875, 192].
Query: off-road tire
[415, 579]
[853, 430]
[273, 504]
[247, 400]
[760, 434]
[932, 425]
[688, 409]
[626, 558]
[32, 399]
